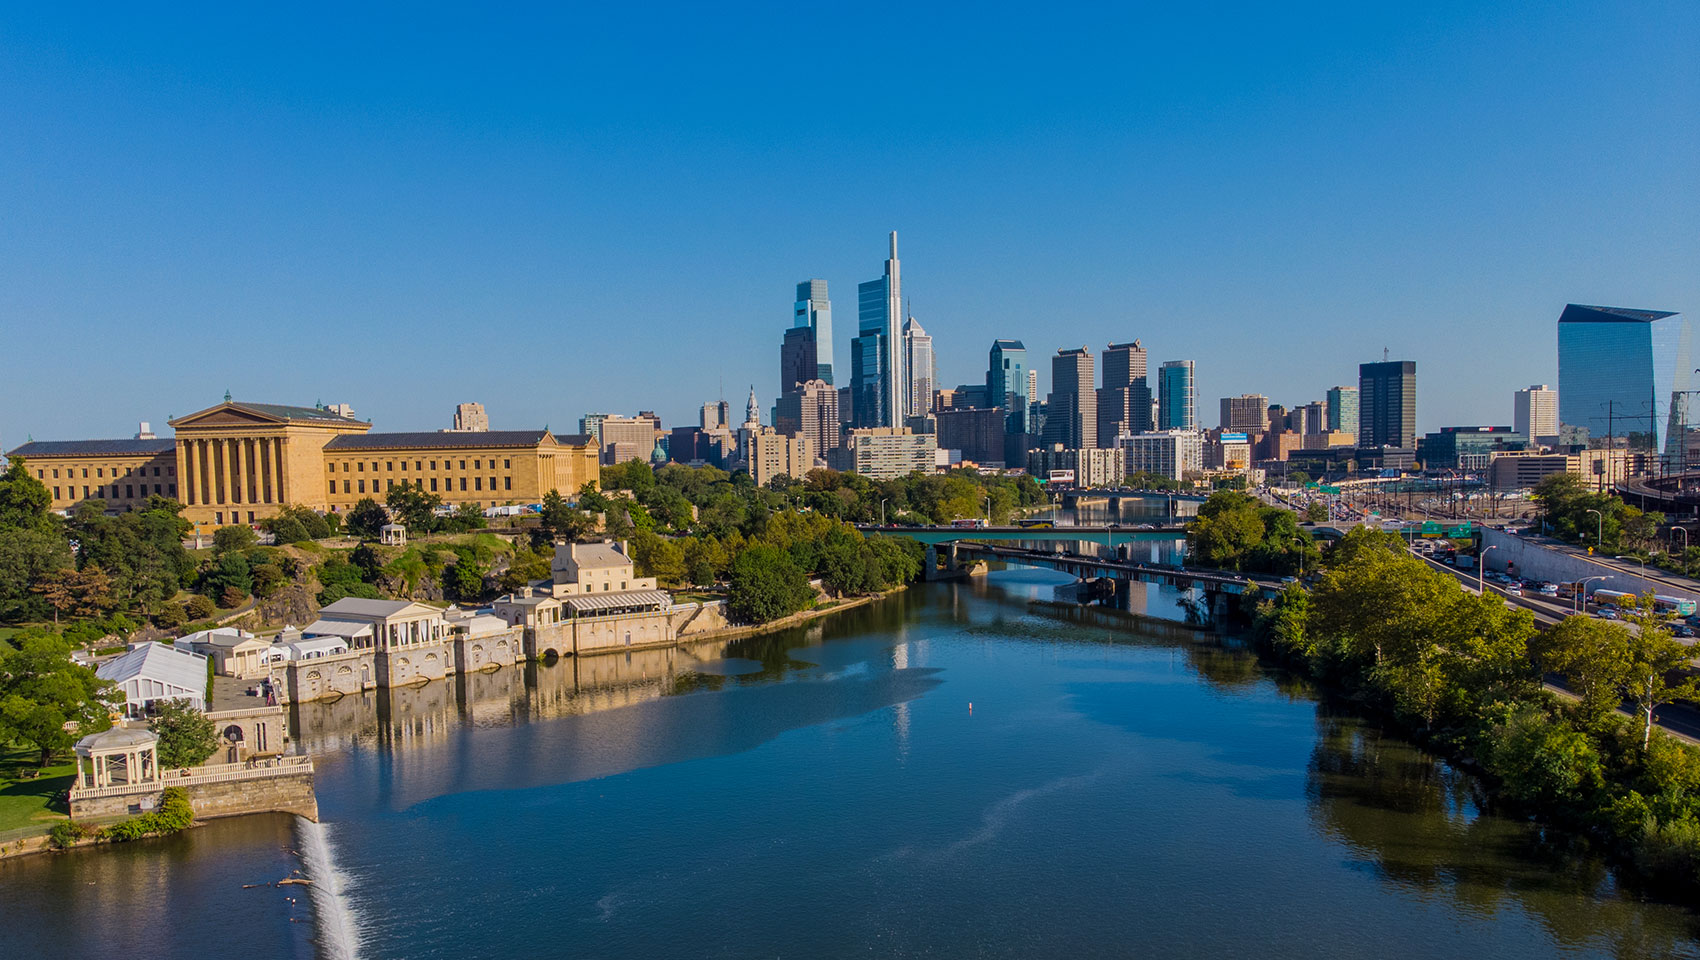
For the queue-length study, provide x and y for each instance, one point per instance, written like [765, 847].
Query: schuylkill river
[1117, 789]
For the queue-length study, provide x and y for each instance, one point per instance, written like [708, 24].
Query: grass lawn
[28, 802]
[697, 596]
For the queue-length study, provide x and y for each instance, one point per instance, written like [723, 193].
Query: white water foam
[339, 936]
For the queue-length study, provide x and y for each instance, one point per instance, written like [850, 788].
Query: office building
[1177, 407]
[1626, 373]
[591, 425]
[813, 312]
[1387, 404]
[876, 354]
[812, 413]
[1089, 467]
[977, 432]
[922, 375]
[1467, 448]
[1534, 414]
[1176, 454]
[885, 453]
[1247, 413]
[1228, 451]
[1072, 410]
[1124, 401]
[1343, 410]
[470, 418]
[628, 438]
[1007, 376]
[716, 415]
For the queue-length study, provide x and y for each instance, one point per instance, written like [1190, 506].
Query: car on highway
[1513, 590]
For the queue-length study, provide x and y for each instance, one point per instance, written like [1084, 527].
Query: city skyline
[340, 203]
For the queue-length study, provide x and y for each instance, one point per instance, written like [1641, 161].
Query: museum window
[362, 486]
[433, 484]
[507, 483]
[463, 484]
[507, 464]
[477, 483]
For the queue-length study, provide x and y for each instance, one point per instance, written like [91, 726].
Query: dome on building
[658, 456]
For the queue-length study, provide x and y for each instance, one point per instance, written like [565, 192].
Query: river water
[952, 772]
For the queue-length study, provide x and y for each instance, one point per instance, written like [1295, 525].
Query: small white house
[153, 672]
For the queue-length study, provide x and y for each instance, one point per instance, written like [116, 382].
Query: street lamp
[1302, 542]
[1684, 532]
[882, 510]
[1582, 591]
[1481, 570]
[988, 501]
[1599, 527]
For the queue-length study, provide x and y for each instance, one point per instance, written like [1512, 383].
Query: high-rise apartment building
[470, 418]
[918, 362]
[773, 455]
[1072, 409]
[812, 413]
[877, 354]
[1124, 401]
[1387, 404]
[1534, 413]
[1625, 373]
[1343, 410]
[1177, 403]
[978, 433]
[1246, 413]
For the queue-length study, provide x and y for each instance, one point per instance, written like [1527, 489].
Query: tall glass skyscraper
[918, 360]
[1625, 373]
[1006, 376]
[813, 312]
[1343, 410]
[1176, 396]
[880, 386]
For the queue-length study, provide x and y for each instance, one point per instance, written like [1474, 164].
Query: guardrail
[224, 773]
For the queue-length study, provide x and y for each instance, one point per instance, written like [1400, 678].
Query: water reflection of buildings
[402, 717]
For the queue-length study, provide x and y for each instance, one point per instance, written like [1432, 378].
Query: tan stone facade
[241, 462]
[124, 473]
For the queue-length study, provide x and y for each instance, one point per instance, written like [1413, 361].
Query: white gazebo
[392, 535]
[119, 757]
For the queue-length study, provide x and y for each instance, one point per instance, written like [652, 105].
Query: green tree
[463, 580]
[229, 577]
[1656, 669]
[233, 539]
[366, 519]
[525, 567]
[1593, 655]
[47, 701]
[186, 737]
[286, 529]
[658, 557]
[24, 500]
[29, 556]
[1317, 512]
[765, 585]
[413, 507]
[1541, 762]
[559, 521]
[268, 579]
[198, 607]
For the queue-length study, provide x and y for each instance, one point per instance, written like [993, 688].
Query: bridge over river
[1109, 535]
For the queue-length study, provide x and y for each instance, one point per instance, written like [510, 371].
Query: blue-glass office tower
[878, 381]
[1625, 373]
[1177, 398]
[1007, 387]
[812, 312]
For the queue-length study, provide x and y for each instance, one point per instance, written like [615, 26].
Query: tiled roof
[1581, 313]
[94, 448]
[437, 441]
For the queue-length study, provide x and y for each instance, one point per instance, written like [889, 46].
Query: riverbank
[1461, 675]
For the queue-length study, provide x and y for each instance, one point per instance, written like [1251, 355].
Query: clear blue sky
[608, 209]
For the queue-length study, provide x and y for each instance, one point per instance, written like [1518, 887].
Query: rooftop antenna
[1386, 354]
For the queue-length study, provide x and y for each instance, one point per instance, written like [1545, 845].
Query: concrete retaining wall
[347, 673]
[1539, 562]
